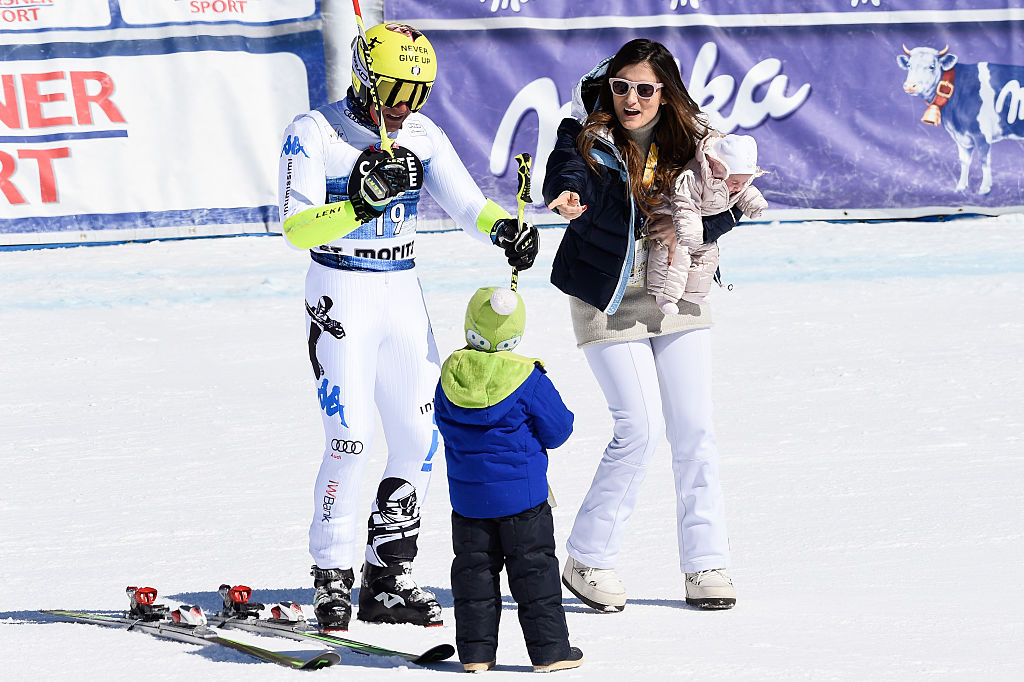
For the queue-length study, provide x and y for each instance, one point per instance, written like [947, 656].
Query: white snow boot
[710, 589]
[598, 588]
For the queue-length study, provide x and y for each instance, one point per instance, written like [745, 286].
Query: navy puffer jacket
[595, 256]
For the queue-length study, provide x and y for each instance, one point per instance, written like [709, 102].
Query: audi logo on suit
[349, 447]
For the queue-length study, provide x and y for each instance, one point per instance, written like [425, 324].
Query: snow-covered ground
[158, 426]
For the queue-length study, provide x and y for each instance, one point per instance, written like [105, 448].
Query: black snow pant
[525, 544]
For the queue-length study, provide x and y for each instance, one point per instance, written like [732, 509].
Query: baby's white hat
[739, 153]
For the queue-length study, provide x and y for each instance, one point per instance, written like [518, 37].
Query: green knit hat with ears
[495, 319]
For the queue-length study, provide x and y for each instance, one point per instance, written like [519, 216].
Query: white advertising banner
[160, 11]
[146, 133]
[151, 131]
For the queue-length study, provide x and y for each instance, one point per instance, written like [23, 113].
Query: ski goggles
[644, 89]
[393, 91]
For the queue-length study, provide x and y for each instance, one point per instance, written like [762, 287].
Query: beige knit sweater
[638, 316]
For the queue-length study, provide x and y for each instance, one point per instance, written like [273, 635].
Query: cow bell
[932, 116]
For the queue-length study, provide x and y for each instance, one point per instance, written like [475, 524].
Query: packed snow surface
[159, 426]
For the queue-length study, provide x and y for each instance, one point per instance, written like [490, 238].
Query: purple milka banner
[836, 108]
[411, 10]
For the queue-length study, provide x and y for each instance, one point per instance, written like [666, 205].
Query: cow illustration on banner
[978, 104]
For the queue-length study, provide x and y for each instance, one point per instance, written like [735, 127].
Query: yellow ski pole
[364, 47]
[522, 199]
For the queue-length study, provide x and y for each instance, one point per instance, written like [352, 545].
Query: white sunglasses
[644, 89]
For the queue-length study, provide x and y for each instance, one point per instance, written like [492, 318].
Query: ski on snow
[200, 635]
[288, 621]
[188, 624]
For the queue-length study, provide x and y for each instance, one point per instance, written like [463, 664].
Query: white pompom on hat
[504, 301]
[738, 153]
[495, 319]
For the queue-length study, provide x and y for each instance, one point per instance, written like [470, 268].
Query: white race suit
[370, 342]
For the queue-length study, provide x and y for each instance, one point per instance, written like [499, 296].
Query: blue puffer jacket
[496, 455]
[595, 256]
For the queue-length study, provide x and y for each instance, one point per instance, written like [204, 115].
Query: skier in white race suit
[354, 207]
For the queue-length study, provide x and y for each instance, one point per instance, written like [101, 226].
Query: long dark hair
[681, 127]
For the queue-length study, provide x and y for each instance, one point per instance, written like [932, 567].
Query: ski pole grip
[522, 199]
[523, 193]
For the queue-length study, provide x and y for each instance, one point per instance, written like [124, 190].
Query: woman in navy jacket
[633, 130]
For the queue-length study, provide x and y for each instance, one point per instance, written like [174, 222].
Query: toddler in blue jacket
[499, 414]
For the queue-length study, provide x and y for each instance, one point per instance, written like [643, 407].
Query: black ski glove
[520, 246]
[377, 179]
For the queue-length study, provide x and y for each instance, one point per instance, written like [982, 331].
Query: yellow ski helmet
[403, 62]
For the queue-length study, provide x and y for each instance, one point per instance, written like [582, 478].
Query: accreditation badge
[638, 275]
[641, 245]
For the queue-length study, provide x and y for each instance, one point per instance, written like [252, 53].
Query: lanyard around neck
[650, 166]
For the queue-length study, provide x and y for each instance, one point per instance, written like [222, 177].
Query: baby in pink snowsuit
[716, 179]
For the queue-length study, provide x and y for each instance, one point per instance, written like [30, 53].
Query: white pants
[371, 338]
[643, 380]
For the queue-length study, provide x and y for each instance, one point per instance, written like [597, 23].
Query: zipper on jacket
[627, 265]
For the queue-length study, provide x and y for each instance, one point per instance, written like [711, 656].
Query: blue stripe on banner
[168, 45]
[64, 136]
[260, 215]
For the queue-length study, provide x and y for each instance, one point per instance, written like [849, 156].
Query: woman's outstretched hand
[567, 205]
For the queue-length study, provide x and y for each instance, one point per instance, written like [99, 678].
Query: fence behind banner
[139, 119]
